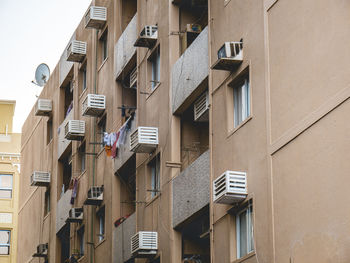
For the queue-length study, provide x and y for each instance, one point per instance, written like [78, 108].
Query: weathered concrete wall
[190, 70]
[122, 239]
[191, 189]
[62, 142]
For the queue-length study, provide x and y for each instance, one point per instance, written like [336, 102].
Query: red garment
[114, 147]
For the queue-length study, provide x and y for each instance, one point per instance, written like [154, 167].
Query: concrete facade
[290, 136]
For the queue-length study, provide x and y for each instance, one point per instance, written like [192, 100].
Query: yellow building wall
[9, 164]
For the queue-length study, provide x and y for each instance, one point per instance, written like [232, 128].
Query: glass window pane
[243, 234]
[5, 181]
[5, 194]
[4, 250]
[4, 237]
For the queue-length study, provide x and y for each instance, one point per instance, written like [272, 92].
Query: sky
[32, 32]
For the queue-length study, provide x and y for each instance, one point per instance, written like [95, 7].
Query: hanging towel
[108, 150]
[114, 147]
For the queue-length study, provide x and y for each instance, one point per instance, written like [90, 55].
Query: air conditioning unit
[201, 108]
[144, 140]
[74, 130]
[148, 37]
[230, 55]
[96, 17]
[94, 196]
[144, 244]
[76, 51]
[133, 78]
[230, 187]
[75, 215]
[41, 250]
[43, 107]
[40, 179]
[93, 105]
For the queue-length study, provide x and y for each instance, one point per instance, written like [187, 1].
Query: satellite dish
[42, 74]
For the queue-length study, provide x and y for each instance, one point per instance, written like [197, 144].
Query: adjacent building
[192, 131]
[10, 148]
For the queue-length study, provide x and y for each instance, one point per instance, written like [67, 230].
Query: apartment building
[10, 144]
[192, 131]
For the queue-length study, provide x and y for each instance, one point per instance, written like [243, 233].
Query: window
[104, 45]
[241, 101]
[244, 229]
[82, 157]
[49, 133]
[101, 222]
[154, 166]
[83, 77]
[47, 202]
[6, 186]
[5, 239]
[81, 233]
[155, 68]
[102, 129]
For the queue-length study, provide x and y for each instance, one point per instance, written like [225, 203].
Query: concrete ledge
[191, 189]
[190, 71]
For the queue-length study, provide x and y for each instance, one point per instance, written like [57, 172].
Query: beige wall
[292, 146]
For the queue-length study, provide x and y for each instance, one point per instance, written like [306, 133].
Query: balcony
[124, 50]
[124, 152]
[63, 143]
[190, 72]
[63, 207]
[191, 189]
[121, 239]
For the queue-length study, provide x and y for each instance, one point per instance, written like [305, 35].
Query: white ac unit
[133, 78]
[144, 244]
[148, 37]
[74, 130]
[94, 196]
[96, 17]
[41, 250]
[76, 51]
[230, 187]
[40, 178]
[43, 107]
[230, 55]
[94, 105]
[201, 108]
[75, 215]
[144, 140]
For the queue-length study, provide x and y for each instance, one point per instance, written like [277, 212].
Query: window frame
[241, 101]
[104, 45]
[82, 156]
[47, 206]
[81, 240]
[9, 189]
[8, 245]
[101, 216]
[154, 63]
[49, 131]
[155, 175]
[250, 246]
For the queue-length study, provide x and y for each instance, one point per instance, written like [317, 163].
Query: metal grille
[144, 242]
[40, 178]
[230, 187]
[201, 106]
[93, 105]
[144, 139]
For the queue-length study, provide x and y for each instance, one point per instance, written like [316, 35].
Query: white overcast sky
[32, 32]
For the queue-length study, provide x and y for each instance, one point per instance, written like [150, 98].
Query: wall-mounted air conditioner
[40, 179]
[148, 37]
[94, 196]
[144, 244]
[230, 55]
[93, 105]
[201, 108]
[230, 187]
[41, 250]
[96, 17]
[76, 51]
[75, 215]
[74, 130]
[43, 107]
[133, 79]
[144, 140]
